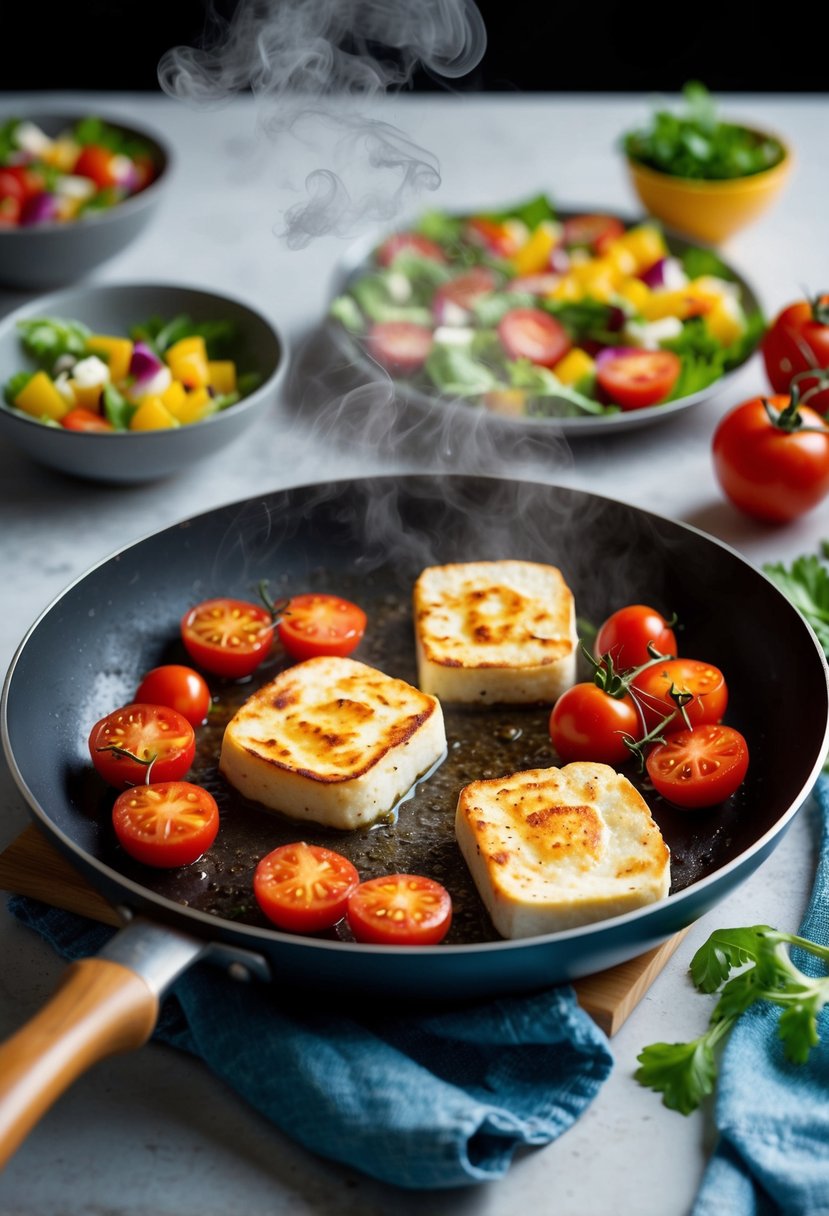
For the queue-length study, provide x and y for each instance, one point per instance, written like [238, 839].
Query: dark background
[534, 45]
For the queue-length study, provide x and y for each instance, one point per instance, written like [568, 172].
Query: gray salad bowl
[140, 456]
[52, 254]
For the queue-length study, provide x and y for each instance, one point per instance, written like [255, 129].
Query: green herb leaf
[532, 212]
[14, 386]
[455, 371]
[725, 950]
[806, 584]
[117, 409]
[684, 1073]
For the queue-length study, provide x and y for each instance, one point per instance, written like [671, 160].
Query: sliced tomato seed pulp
[156, 815]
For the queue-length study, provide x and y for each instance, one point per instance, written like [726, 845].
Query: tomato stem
[655, 735]
[117, 750]
[820, 309]
[615, 683]
[277, 608]
[790, 419]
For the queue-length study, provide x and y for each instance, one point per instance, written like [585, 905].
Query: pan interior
[368, 541]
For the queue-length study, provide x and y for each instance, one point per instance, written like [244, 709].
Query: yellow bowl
[709, 210]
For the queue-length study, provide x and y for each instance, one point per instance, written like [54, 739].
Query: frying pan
[368, 540]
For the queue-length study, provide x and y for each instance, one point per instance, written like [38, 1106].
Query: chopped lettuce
[14, 386]
[160, 335]
[489, 309]
[541, 383]
[532, 213]
[117, 409]
[374, 297]
[345, 310]
[458, 373]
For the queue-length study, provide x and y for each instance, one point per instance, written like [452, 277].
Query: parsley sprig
[806, 584]
[745, 965]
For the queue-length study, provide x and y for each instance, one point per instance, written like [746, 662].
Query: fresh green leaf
[15, 385]
[47, 338]
[117, 409]
[247, 383]
[455, 371]
[223, 401]
[584, 320]
[489, 309]
[532, 212]
[440, 227]
[375, 299]
[8, 140]
[806, 584]
[725, 950]
[684, 1073]
[344, 309]
[697, 261]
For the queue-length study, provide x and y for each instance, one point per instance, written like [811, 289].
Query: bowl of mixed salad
[74, 191]
[571, 320]
[701, 174]
[133, 382]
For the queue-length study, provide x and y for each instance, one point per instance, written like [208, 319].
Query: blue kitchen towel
[421, 1099]
[772, 1157]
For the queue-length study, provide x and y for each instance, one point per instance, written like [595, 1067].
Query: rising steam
[312, 63]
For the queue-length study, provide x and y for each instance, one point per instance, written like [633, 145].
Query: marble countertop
[155, 1133]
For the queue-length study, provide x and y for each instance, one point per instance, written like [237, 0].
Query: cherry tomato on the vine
[587, 723]
[400, 910]
[315, 625]
[228, 637]
[700, 767]
[303, 887]
[772, 461]
[141, 742]
[182, 688]
[626, 634]
[704, 681]
[166, 824]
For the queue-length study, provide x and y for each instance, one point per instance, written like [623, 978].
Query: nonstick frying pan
[368, 540]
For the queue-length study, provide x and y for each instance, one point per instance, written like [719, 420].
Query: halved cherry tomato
[700, 767]
[29, 181]
[463, 290]
[400, 910]
[529, 333]
[595, 232]
[588, 724]
[142, 742]
[705, 681]
[303, 887]
[401, 347]
[634, 379]
[81, 419]
[167, 823]
[227, 637]
[499, 238]
[408, 242]
[183, 689]
[96, 163]
[320, 624]
[626, 634]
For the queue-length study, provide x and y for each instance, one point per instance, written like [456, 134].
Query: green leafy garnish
[457, 373]
[14, 386]
[533, 212]
[745, 965]
[160, 335]
[8, 139]
[117, 409]
[373, 295]
[806, 584]
[696, 144]
[697, 262]
[47, 338]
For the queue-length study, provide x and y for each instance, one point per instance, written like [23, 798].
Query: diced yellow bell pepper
[222, 374]
[620, 257]
[635, 292]
[534, 254]
[576, 365]
[41, 399]
[725, 321]
[510, 402]
[116, 353]
[174, 396]
[187, 361]
[62, 153]
[190, 407]
[646, 243]
[569, 289]
[152, 415]
[684, 303]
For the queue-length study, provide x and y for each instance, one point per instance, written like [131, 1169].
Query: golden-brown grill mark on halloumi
[554, 848]
[334, 741]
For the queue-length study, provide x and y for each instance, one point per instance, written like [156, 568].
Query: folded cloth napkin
[772, 1156]
[425, 1099]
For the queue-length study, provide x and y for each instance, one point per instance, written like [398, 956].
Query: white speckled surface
[154, 1133]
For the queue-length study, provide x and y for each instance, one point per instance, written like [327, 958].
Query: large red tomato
[772, 461]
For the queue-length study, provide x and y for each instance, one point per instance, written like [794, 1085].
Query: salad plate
[543, 320]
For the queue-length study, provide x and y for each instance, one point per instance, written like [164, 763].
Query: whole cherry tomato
[771, 458]
[587, 723]
[627, 633]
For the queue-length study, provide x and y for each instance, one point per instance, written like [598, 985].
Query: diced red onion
[39, 209]
[144, 363]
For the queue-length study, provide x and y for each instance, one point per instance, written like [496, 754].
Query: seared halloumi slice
[489, 632]
[553, 848]
[333, 741]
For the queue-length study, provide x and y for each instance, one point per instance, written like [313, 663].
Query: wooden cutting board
[32, 866]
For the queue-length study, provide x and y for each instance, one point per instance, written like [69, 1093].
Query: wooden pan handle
[99, 1009]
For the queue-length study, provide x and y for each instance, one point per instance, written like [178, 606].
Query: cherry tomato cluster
[771, 454]
[305, 888]
[645, 701]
